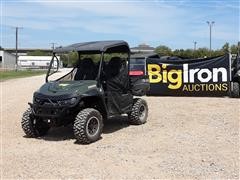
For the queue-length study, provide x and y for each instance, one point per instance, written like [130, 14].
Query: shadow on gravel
[59, 134]
[116, 124]
[66, 133]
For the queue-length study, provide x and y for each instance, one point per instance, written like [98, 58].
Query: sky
[173, 23]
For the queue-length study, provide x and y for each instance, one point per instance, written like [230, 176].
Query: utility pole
[238, 48]
[16, 61]
[194, 48]
[195, 45]
[53, 45]
[210, 24]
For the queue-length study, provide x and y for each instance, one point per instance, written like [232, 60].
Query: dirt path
[184, 138]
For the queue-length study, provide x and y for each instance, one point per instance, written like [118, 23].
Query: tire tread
[79, 125]
[27, 125]
[134, 115]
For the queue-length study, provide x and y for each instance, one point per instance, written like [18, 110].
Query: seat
[119, 101]
[113, 67]
[113, 74]
[86, 70]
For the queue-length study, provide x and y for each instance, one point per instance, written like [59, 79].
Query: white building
[142, 48]
[7, 60]
[38, 62]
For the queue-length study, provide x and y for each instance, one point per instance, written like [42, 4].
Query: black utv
[93, 91]
[235, 90]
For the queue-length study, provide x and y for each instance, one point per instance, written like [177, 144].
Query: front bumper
[49, 107]
[50, 112]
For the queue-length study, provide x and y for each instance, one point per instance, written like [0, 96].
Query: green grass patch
[5, 75]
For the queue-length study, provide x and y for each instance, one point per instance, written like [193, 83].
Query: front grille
[59, 97]
[47, 111]
[47, 102]
[52, 101]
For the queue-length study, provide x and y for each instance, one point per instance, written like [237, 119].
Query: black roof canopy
[96, 47]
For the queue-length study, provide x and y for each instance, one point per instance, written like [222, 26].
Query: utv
[138, 63]
[235, 90]
[93, 91]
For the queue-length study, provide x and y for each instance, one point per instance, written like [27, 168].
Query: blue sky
[176, 24]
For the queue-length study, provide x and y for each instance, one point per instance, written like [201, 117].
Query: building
[24, 51]
[142, 48]
[36, 62]
[7, 60]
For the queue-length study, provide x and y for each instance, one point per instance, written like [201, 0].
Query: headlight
[73, 100]
[68, 101]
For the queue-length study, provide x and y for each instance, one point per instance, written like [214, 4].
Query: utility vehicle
[235, 90]
[138, 63]
[93, 91]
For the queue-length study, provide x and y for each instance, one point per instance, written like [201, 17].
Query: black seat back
[119, 99]
[86, 70]
[113, 67]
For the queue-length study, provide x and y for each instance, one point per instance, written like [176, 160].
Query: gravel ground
[183, 138]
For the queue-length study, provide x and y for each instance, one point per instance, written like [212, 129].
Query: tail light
[136, 73]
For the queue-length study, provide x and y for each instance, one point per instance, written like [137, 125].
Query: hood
[58, 88]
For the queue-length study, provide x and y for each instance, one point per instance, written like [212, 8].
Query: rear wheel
[235, 90]
[139, 112]
[32, 126]
[88, 126]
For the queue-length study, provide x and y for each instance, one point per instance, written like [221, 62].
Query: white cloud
[144, 21]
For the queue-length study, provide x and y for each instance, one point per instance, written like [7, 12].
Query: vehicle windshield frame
[96, 47]
[50, 66]
[99, 70]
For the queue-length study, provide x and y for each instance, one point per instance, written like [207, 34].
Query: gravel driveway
[184, 137]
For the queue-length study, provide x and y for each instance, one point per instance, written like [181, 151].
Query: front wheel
[88, 126]
[139, 112]
[32, 126]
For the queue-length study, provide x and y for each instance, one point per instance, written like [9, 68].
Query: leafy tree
[198, 53]
[69, 59]
[38, 53]
[234, 49]
[218, 52]
[163, 50]
[178, 52]
[202, 52]
[225, 47]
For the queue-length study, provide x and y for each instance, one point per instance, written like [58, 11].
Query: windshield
[86, 67]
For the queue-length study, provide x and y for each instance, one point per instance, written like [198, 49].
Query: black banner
[196, 77]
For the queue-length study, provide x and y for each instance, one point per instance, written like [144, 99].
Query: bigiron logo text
[198, 79]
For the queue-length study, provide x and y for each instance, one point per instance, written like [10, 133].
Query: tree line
[71, 58]
[163, 50]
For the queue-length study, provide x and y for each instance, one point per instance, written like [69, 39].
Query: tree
[225, 47]
[202, 52]
[69, 59]
[218, 52]
[163, 50]
[234, 49]
[178, 52]
[38, 53]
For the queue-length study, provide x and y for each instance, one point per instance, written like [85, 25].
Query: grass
[5, 75]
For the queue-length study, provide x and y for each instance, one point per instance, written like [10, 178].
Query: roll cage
[95, 47]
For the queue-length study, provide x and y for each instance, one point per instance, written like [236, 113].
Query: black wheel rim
[92, 126]
[142, 112]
